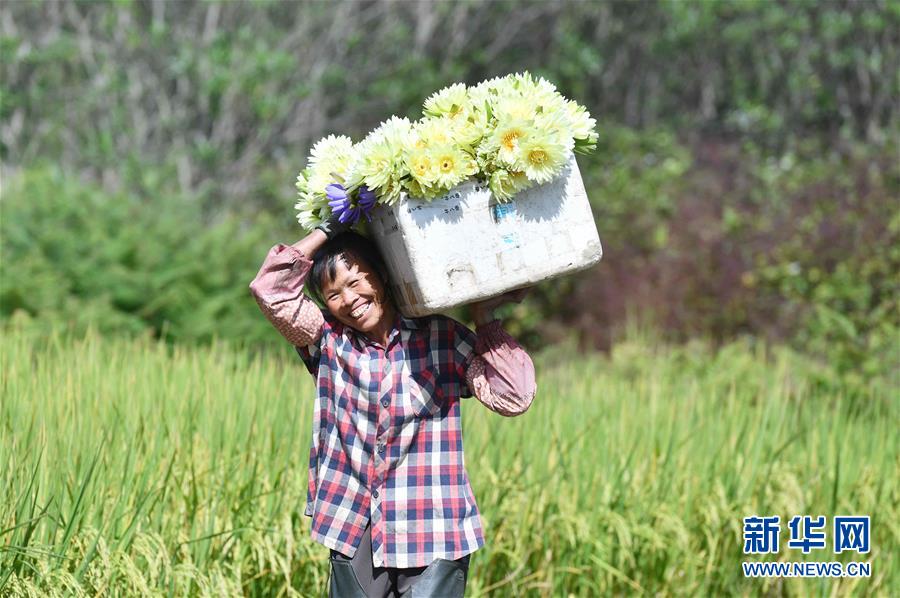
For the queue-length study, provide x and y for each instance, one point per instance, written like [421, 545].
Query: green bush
[834, 257]
[75, 256]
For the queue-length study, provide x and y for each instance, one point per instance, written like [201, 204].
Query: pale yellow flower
[515, 131]
[396, 132]
[506, 138]
[452, 101]
[414, 189]
[501, 185]
[309, 218]
[580, 122]
[541, 157]
[469, 131]
[513, 107]
[555, 125]
[331, 151]
[422, 166]
[453, 166]
[379, 159]
[432, 132]
[519, 180]
[417, 191]
[302, 183]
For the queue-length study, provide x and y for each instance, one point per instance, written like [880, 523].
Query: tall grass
[133, 468]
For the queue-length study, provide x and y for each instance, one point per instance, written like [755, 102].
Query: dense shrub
[800, 246]
[75, 256]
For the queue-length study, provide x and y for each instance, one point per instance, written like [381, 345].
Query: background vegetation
[743, 182]
[745, 189]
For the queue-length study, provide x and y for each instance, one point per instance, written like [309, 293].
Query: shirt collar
[409, 323]
[360, 340]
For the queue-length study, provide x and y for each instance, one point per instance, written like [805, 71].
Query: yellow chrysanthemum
[468, 131]
[319, 179]
[376, 161]
[519, 180]
[389, 194]
[312, 208]
[396, 132]
[512, 107]
[541, 157]
[309, 218]
[541, 93]
[417, 191]
[414, 189]
[505, 184]
[556, 126]
[488, 86]
[507, 137]
[331, 154]
[501, 185]
[432, 132]
[515, 130]
[302, 183]
[480, 116]
[486, 159]
[328, 162]
[482, 98]
[422, 166]
[379, 159]
[453, 165]
[580, 122]
[451, 101]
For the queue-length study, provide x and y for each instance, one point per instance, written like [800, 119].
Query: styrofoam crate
[466, 246]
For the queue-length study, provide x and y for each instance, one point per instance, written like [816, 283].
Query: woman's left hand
[482, 311]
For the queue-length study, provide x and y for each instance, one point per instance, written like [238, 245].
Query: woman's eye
[353, 284]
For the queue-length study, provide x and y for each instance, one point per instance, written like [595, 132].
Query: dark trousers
[359, 578]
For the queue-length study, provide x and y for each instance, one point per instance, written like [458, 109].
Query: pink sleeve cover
[278, 289]
[502, 374]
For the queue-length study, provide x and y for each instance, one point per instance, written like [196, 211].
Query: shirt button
[381, 448]
[385, 402]
[375, 494]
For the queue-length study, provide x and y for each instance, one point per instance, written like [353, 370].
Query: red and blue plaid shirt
[387, 445]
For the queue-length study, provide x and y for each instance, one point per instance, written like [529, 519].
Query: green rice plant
[132, 467]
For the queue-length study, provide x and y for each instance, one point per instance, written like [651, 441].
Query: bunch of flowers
[513, 132]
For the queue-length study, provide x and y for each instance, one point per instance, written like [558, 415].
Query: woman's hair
[348, 243]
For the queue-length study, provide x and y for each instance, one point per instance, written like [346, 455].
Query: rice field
[135, 468]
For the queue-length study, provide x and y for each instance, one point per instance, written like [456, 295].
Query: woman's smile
[360, 311]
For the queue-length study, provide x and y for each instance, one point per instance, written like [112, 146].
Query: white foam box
[466, 246]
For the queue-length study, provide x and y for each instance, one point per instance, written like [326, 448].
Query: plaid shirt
[387, 442]
[387, 433]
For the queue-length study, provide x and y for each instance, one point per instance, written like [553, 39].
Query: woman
[388, 492]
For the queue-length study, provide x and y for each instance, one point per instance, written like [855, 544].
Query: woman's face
[356, 297]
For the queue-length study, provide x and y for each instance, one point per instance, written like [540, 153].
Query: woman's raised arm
[278, 289]
[501, 376]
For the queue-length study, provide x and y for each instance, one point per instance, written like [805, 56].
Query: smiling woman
[388, 492]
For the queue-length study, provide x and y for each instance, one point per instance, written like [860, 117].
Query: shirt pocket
[425, 393]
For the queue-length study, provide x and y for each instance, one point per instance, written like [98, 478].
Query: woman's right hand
[333, 227]
[326, 231]
[483, 311]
